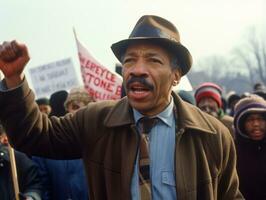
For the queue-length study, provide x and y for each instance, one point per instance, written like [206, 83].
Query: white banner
[100, 82]
[52, 77]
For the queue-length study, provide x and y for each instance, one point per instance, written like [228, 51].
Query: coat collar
[189, 116]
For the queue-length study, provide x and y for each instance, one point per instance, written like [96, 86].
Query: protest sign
[49, 78]
[100, 82]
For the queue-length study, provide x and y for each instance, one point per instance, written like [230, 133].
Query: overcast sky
[207, 27]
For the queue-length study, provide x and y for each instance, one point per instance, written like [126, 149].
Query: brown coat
[104, 134]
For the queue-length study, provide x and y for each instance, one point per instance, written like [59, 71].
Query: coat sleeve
[228, 186]
[33, 132]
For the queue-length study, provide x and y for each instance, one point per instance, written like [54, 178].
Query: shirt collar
[166, 115]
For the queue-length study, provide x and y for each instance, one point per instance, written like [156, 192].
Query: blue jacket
[64, 179]
[29, 180]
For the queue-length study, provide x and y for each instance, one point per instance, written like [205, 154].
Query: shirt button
[165, 178]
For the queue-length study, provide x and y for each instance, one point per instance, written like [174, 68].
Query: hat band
[148, 31]
[244, 107]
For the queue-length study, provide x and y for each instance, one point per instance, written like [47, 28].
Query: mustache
[141, 80]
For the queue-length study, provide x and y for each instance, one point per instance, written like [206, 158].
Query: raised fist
[13, 59]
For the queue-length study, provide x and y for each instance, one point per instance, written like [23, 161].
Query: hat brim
[181, 52]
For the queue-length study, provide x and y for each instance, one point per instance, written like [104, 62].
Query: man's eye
[155, 60]
[75, 107]
[127, 60]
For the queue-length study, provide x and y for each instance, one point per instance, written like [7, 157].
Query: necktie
[146, 125]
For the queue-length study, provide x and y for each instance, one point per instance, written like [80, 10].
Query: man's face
[3, 139]
[255, 126]
[45, 109]
[74, 106]
[148, 78]
[209, 105]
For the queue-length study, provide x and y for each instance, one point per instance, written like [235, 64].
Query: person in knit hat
[76, 99]
[250, 130]
[209, 99]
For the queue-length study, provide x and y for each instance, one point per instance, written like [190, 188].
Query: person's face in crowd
[45, 109]
[209, 105]
[149, 77]
[73, 106]
[3, 139]
[255, 126]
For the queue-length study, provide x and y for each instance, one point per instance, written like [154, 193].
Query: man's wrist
[15, 81]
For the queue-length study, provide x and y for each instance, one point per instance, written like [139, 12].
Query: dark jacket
[28, 177]
[105, 136]
[251, 167]
[64, 179]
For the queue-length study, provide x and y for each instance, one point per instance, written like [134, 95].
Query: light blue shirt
[162, 157]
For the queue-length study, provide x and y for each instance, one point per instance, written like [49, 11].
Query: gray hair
[174, 63]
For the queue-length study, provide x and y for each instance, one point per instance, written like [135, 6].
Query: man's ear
[176, 82]
[177, 77]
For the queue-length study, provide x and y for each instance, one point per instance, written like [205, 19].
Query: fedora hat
[159, 31]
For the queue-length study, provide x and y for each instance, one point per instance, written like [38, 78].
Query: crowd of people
[245, 116]
[153, 143]
[43, 178]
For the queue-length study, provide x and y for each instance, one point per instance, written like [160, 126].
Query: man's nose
[256, 122]
[139, 69]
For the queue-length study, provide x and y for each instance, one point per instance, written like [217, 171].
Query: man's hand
[13, 59]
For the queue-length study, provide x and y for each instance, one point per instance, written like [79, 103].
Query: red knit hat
[211, 90]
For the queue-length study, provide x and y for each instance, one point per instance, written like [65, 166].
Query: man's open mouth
[137, 87]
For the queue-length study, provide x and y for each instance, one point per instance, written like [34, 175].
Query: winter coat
[251, 167]
[64, 179]
[105, 136]
[27, 173]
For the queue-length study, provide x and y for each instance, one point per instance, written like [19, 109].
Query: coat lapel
[122, 116]
[191, 117]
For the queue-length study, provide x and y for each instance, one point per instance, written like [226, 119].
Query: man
[191, 154]
[209, 99]
[28, 177]
[250, 126]
[44, 105]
